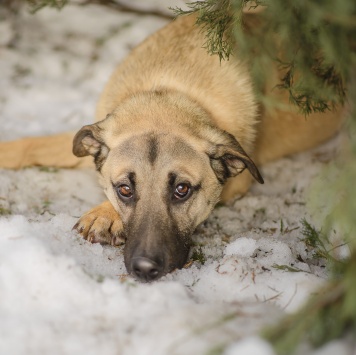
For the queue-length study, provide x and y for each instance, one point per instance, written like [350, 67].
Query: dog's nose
[145, 269]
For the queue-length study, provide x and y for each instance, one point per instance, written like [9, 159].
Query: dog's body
[176, 131]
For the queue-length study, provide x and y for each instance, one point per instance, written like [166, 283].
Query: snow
[250, 346]
[62, 295]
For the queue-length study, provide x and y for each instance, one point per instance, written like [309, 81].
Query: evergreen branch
[123, 7]
[305, 92]
[37, 5]
[312, 37]
[326, 316]
[218, 19]
[215, 19]
[320, 320]
[314, 239]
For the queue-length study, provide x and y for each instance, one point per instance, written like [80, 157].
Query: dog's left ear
[228, 160]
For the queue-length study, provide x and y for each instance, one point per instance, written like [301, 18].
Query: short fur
[172, 119]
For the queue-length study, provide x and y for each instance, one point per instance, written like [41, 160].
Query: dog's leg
[236, 186]
[54, 151]
[101, 224]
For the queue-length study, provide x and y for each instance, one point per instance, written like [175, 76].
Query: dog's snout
[145, 269]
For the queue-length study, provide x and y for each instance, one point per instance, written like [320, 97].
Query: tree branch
[117, 5]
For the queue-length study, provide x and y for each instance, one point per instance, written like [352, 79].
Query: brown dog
[177, 132]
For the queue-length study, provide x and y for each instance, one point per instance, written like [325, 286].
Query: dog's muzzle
[154, 248]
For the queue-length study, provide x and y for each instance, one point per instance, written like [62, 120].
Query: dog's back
[174, 58]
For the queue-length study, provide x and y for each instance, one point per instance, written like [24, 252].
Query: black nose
[145, 269]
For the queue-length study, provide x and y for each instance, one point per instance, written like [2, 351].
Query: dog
[177, 131]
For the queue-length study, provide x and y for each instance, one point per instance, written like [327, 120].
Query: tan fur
[41, 151]
[223, 90]
[101, 225]
[170, 107]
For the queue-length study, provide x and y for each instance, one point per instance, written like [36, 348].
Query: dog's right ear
[88, 141]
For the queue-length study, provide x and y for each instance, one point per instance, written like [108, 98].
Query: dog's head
[163, 174]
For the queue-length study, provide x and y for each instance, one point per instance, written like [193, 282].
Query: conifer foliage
[39, 4]
[315, 47]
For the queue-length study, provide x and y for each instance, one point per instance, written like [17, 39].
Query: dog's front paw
[101, 225]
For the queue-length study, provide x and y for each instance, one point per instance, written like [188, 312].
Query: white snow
[250, 346]
[62, 295]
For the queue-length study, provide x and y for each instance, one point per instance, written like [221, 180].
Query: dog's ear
[88, 141]
[229, 159]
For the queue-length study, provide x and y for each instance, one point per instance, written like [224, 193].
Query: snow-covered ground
[62, 295]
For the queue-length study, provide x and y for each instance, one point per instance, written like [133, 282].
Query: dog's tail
[51, 151]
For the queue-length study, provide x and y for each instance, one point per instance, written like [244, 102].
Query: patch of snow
[242, 247]
[250, 346]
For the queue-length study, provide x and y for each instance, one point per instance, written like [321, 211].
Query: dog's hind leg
[101, 224]
[54, 151]
[282, 133]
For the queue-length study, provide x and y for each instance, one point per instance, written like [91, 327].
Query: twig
[290, 300]
[116, 5]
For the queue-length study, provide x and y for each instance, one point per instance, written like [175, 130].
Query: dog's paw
[101, 225]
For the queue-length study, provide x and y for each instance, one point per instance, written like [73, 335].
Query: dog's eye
[125, 191]
[182, 191]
